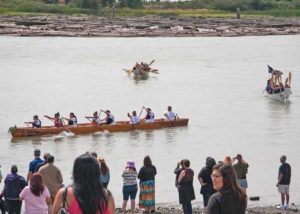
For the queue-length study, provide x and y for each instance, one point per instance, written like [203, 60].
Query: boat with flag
[87, 128]
[142, 70]
[275, 88]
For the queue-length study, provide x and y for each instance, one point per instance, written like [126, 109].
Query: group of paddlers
[95, 119]
[274, 84]
[142, 69]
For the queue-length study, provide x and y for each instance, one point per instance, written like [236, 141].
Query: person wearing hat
[241, 169]
[205, 180]
[129, 186]
[13, 185]
[58, 122]
[34, 163]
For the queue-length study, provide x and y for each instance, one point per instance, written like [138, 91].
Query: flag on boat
[270, 69]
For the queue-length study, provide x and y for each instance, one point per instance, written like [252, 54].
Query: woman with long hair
[147, 186]
[229, 198]
[104, 173]
[36, 196]
[86, 195]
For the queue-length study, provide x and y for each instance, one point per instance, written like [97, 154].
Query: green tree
[87, 4]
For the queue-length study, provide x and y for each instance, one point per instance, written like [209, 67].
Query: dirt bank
[149, 26]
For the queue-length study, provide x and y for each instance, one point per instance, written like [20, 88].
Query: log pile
[150, 26]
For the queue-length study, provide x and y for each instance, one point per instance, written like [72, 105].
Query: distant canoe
[86, 128]
[281, 96]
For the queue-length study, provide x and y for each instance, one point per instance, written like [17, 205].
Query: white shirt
[134, 120]
[170, 115]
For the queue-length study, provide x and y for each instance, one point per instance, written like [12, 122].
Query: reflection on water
[215, 82]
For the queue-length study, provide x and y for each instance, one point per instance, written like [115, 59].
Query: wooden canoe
[86, 128]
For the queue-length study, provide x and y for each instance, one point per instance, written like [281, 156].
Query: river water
[216, 82]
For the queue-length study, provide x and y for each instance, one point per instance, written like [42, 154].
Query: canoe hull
[282, 96]
[86, 128]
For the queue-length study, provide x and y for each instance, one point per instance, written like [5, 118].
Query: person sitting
[72, 121]
[109, 118]
[270, 86]
[149, 116]
[56, 119]
[288, 81]
[170, 115]
[36, 123]
[134, 119]
[95, 118]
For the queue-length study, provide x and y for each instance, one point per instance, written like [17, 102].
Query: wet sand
[148, 26]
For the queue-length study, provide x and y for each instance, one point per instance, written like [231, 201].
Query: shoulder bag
[64, 200]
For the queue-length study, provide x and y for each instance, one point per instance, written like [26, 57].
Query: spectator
[205, 180]
[104, 173]
[13, 185]
[241, 169]
[284, 180]
[86, 195]
[129, 186]
[186, 188]
[177, 171]
[230, 197]
[34, 163]
[52, 177]
[147, 186]
[46, 155]
[36, 196]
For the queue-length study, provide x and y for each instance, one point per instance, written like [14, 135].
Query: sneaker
[286, 206]
[280, 207]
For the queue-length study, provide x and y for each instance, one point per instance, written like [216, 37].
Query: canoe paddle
[151, 62]
[27, 123]
[141, 111]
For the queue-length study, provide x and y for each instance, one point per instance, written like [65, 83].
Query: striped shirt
[129, 177]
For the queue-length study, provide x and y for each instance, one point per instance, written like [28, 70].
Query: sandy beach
[148, 26]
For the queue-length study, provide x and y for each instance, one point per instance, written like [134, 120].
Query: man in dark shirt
[283, 184]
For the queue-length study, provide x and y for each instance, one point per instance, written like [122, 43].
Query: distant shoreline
[147, 26]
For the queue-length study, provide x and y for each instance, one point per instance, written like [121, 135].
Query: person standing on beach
[36, 196]
[241, 169]
[104, 173]
[147, 186]
[52, 177]
[186, 188]
[129, 186]
[34, 163]
[13, 185]
[86, 194]
[283, 184]
[230, 198]
[205, 180]
[177, 171]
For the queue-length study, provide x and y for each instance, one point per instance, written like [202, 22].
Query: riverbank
[148, 26]
[254, 210]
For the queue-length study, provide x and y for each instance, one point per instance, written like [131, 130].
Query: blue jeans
[187, 208]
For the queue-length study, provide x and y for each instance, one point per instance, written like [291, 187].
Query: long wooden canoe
[86, 128]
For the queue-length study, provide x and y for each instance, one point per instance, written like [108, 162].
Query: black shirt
[147, 173]
[285, 170]
[226, 202]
